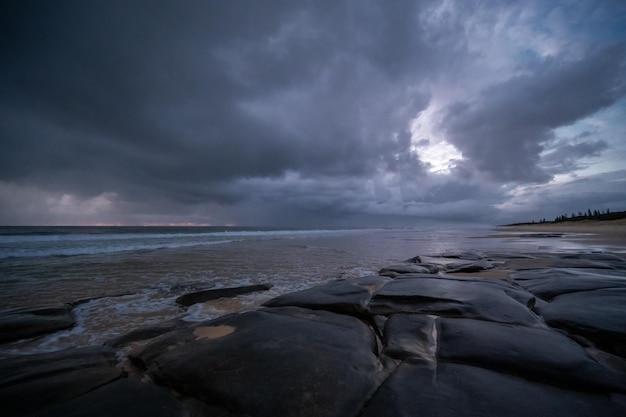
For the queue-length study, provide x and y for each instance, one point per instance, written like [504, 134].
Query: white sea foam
[201, 312]
[103, 319]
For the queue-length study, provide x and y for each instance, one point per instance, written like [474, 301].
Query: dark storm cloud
[503, 131]
[291, 112]
[117, 91]
[158, 97]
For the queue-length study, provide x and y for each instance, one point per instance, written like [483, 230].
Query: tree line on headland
[580, 216]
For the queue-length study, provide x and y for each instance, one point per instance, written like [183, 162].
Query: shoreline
[602, 232]
[452, 326]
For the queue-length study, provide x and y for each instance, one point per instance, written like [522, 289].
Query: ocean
[124, 278]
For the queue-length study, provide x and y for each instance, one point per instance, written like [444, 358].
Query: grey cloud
[595, 192]
[297, 112]
[503, 130]
[567, 157]
[156, 95]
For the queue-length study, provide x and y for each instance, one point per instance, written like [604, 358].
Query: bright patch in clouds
[430, 145]
[441, 157]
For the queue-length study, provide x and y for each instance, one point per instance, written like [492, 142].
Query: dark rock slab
[33, 382]
[595, 256]
[461, 262]
[503, 256]
[344, 296]
[417, 389]
[464, 266]
[554, 262]
[22, 323]
[197, 408]
[438, 261]
[599, 316]
[466, 255]
[213, 294]
[536, 354]
[123, 398]
[408, 268]
[282, 361]
[471, 298]
[548, 283]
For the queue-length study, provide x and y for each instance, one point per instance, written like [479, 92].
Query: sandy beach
[607, 232]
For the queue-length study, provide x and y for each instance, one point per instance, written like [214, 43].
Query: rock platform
[447, 335]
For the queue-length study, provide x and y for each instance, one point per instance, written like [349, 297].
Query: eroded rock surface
[452, 297]
[539, 354]
[213, 294]
[548, 340]
[408, 268]
[551, 282]
[450, 389]
[35, 382]
[583, 302]
[597, 315]
[283, 361]
[22, 323]
[343, 296]
[122, 398]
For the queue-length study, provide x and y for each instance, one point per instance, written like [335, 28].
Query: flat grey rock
[594, 256]
[554, 262]
[408, 268]
[33, 382]
[22, 323]
[465, 255]
[536, 354]
[213, 294]
[479, 299]
[447, 390]
[123, 398]
[598, 315]
[549, 283]
[344, 296]
[465, 266]
[282, 361]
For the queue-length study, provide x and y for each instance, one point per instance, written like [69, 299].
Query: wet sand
[608, 232]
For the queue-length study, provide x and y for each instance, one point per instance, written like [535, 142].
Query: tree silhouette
[601, 215]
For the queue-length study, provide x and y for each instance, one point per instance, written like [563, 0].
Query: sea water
[123, 278]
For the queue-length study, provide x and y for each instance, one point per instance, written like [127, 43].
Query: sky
[321, 113]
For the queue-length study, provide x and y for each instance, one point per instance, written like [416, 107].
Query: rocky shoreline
[435, 336]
